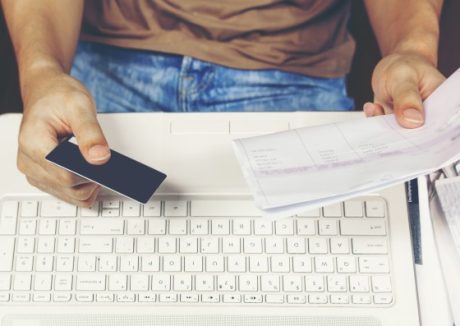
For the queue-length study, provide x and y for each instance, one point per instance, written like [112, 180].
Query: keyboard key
[21, 297]
[157, 226]
[84, 297]
[126, 297]
[231, 298]
[24, 263]
[167, 245]
[296, 298]
[189, 298]
[188, 245]
[274, 298]
[220, 227]
[129, 264]
[111, 204]
[45, 245]
[104, 297]
[317, 245]
[253, 298]
[310, 213]
[306, 227]
[209, 245]
[337, 283]
[27, 227]
[353, 208]
[136, 226]
[90, 282]
[296, 245]
[280, 264]
[333, 210]
[42, 282]
[152, 208]
[64, 264]
[67, 227]
[4, 297]
[375, 208]
[8, 217]
[63, 282]
[193, 263]
[176, 208]
[373, 265]
[346, 264]
[314, 283]
[252, 245]
[258, 264]
[57, 208]
[145, 245]
[199, 227]
[117, 282]
[236, 264]
[317, 298]
[274, 245]
[210, 298]
[359, 283]
[147, 297]
[263, 227]
[62, 297]
[124, 245]
[363, 245]
[131, 208]
[339, 245]
[29, 208]
[172, 263]
[107, 263]
[150, 263]
[182, 282]
[241, 226]
[328, 227]
[161, 282]
[231, 245]
[324, 264]
[284, 227]
[66, 245]
[214, 263]
[87, 263]
[340, 299]
[6, 254]
[204, 282]
[363, 227]
[106, 226]
[92, 211]
[95, 245]
[381, 283]
[292, 283]
[222, 208]
[5, 282]
[110, 212]
[22, 282]
[47, 227]
[383, 298]
[361, 299]
[226, 283]
[178, 226]
[301, 264]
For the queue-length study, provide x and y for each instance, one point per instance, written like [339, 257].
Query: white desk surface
[434, 308]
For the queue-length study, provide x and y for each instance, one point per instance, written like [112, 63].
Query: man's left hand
[401, 82]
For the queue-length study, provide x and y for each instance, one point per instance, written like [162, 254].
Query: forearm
[409, 26]
[44, 34]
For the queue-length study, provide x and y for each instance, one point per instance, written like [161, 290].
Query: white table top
[432, 296]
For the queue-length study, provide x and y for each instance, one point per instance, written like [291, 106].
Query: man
[190, 55]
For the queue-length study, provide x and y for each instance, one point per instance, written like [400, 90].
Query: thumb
[91, 140]
[407, 104]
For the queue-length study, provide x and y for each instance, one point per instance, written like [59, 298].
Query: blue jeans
[126, 80]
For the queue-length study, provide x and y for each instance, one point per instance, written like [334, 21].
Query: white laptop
[200, 253]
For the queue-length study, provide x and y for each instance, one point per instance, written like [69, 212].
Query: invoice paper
[298, 169]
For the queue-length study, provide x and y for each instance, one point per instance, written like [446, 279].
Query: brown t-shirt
[303, 36]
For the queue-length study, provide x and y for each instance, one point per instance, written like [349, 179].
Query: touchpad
[186, 320]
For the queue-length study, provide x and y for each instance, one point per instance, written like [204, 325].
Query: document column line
[305, 147]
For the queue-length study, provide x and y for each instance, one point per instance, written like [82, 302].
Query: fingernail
[413, 116]
[99, 153]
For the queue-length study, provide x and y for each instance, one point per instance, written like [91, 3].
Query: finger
[84, 202]
[89, 135]
[373, 109]
[407, 101]
[53, 175]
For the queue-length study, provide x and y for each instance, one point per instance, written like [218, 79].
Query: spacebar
[223, 208]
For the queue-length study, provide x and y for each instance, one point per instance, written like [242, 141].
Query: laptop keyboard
[193, 252]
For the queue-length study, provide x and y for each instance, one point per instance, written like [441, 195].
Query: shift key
[363, 227]
[106, 226]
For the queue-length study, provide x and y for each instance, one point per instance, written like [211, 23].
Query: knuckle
[83, 194]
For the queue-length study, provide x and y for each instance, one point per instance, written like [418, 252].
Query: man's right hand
[56, 106]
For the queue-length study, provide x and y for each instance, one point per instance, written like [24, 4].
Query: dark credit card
[120, 174]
